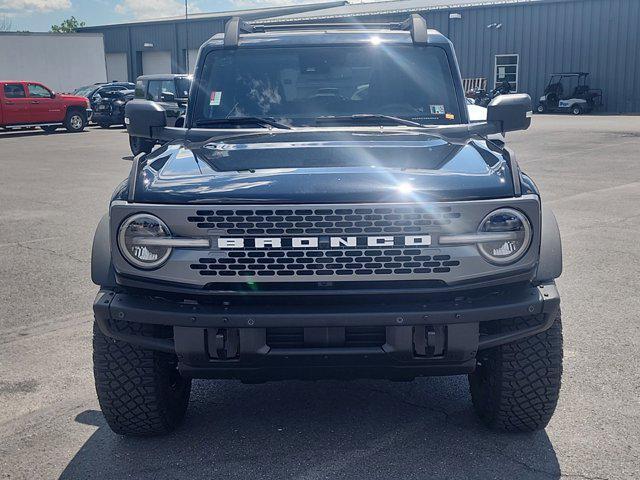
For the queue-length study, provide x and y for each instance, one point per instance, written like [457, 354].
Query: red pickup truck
[31, 104]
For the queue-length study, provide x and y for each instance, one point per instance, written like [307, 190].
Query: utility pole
[186, 33]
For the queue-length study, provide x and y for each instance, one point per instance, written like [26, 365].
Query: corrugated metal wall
[170, 36]
[597, 36]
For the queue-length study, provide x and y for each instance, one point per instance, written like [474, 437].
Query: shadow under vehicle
[325, 212]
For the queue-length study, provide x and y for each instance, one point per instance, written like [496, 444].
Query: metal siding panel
[599, 36]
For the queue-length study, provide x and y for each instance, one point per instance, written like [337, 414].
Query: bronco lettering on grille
[324, 242]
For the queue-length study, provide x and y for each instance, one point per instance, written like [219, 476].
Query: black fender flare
[550, 263]
[102, 272]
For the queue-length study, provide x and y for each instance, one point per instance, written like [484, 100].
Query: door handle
[34, 101]
[9, 103]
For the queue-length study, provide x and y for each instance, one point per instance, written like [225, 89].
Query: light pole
[186, 33]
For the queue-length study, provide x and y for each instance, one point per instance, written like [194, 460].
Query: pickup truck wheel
[140, 145]
[49, 128]
[515, 386]
[140, 391]
[75, 121]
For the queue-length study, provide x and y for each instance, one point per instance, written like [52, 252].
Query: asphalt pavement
[54, 189]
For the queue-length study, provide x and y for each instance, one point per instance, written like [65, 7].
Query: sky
[39, 15]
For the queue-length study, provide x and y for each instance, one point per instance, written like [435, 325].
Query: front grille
[325, 221]
[346, 262]
[293, 337]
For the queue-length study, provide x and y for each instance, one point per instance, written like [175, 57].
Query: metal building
[163, 45]
[523, 41]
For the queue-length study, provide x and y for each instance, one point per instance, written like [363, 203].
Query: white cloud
[145, 9]
[33, 6]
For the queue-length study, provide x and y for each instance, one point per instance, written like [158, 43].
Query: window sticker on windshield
[215, 99]
[450, 116]
[437, 109]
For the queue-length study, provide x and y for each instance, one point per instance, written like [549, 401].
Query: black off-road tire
[140, 391]
[515, 387]
[75, 121]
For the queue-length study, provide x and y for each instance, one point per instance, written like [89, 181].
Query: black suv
[327, 210]
[171, 92]
[96, 91]
[109, 110]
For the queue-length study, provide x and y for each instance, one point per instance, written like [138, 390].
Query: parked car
[171, 92]
[301, 226]
[25, 104]
[109, 109]
[97, 90]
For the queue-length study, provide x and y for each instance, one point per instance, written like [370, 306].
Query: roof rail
[232, 31]
[265, 27]
[417, 25]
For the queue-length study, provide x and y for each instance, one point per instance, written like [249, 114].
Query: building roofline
[45, 34]
[253, 12]
[373, 9]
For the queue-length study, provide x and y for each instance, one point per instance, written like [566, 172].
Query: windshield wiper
[361, 117]
[260, 121]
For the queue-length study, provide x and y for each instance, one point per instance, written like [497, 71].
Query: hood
[72, 98]
[323, 167]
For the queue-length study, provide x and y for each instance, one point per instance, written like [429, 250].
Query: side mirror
[168, 97]
[510, 112]
[144, 118]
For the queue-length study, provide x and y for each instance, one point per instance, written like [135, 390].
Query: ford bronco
[327, 210]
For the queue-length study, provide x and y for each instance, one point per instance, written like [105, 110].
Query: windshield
[84, 91]
[297, 85]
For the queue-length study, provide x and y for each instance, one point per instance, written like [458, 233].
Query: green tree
[70, 25]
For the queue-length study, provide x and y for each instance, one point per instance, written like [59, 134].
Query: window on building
[14, 90]
[38, 91]
[507, 71]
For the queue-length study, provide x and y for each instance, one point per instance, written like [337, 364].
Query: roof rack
[232, 31]
[416, 24]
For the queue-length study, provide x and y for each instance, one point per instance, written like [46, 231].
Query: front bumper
[423, 336]
[108, 118]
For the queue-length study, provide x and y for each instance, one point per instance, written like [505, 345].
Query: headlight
[137, 240]
[517, 238]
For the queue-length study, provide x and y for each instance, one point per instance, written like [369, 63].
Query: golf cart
[577, 100]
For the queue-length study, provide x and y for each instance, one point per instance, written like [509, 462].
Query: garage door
[117, 67]
[156, 62]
